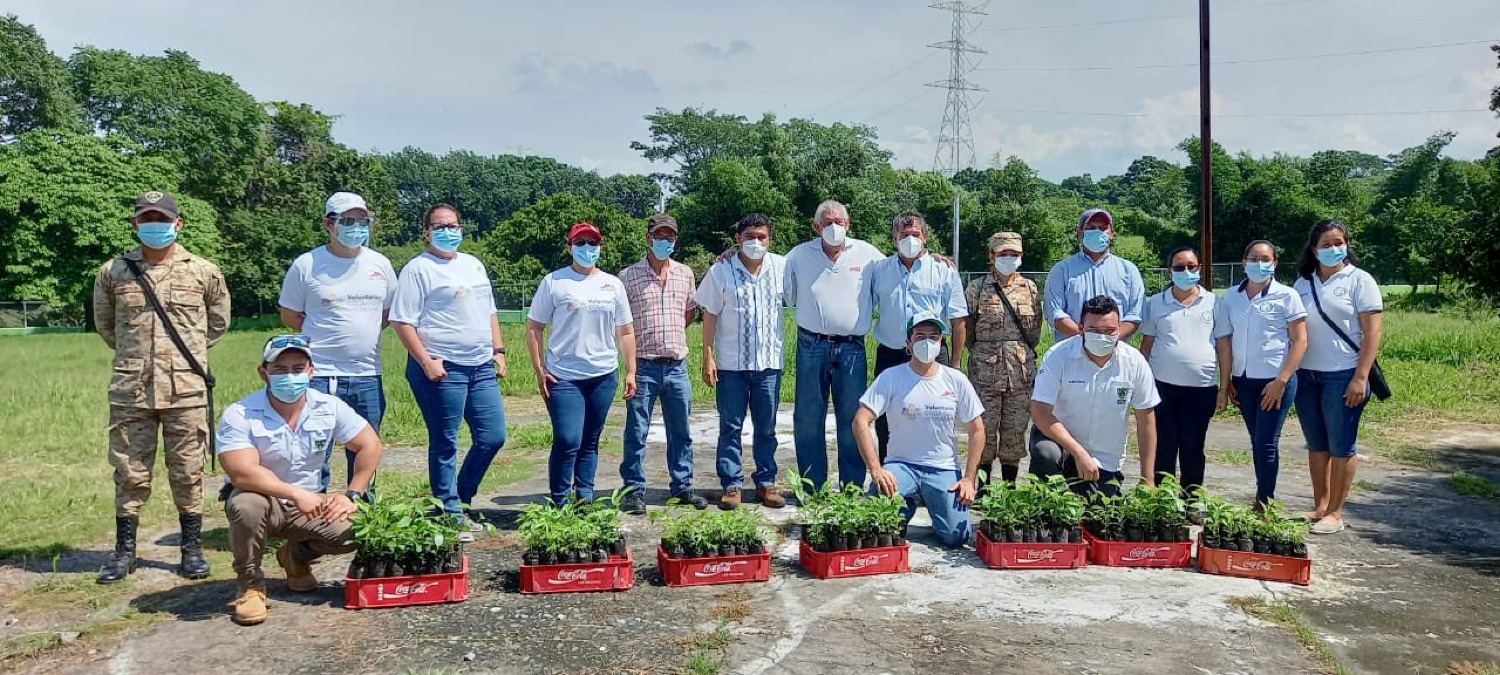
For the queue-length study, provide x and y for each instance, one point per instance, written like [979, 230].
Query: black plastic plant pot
[1028, 536]
[1245, 545]
[1279, 548]
[851, 542]
[396, 570]
[1262, 546]
[1299, 550]
[1153, 535]
[1075, 535]
[823, 547]
[530, 558]
[356, 569]
[601, 555]
[547, 558]
[884, 540]
[742, 549]
[869, 542]
[726, 550]
[618, 547]
[1013, 536]
[1184, 533]
[454, 562]
[1211, 542]
[1134, 535]
[900, 540]
[757, 548]
[570, 557]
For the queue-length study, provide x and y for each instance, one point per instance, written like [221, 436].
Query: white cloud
[709, 50]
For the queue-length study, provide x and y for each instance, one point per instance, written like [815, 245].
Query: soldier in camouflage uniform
[153, 385]
[1002, 359]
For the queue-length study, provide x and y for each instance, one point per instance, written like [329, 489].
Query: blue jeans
[1329, 424]
[950, 521]
[466, 394]
[760, 391]
[1265, 431]
[578, 409]
[824, 366]
[366, 395]
[668, 382]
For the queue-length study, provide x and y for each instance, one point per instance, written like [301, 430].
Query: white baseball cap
[340, 202]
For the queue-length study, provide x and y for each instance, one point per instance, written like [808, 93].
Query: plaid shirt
[660, 309]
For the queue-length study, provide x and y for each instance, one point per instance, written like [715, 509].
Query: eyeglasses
[586, 242]
[444, 226]
[1184, 268]
[351, 222]
[284, 341]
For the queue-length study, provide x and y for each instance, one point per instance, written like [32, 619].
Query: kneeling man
[273, 444]
[922, 400]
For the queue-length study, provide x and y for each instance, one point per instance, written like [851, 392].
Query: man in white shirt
[924, 401]
[339, 296]
[909, 282]
[272, 444]
[742, 356]
[1085, 388]
[825, 281]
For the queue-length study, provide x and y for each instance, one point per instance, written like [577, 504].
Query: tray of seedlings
[1146, 526]
[1033, 525]
[701, 548]
[1239, 542]
[407, 553]
[846, 532]
[574, 547]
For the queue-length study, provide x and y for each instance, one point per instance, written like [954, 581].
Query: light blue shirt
[296, 456]
[1182, 351]
[898, 293]
[1077, 279]
[1258, 329]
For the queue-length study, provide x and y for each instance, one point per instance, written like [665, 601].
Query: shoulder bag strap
[1014, 316]
[197, 368]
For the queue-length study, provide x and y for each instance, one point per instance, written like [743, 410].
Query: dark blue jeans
[366, 395]
[1265, 431]
[466, 394]
[669, 383]
[1181, 428]
[760, 392]
[578, 409]
[824, 367]
[1329, 424]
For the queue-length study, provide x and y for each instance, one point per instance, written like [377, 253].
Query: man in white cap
[339, 295]
[272, 444]
[1093, 272]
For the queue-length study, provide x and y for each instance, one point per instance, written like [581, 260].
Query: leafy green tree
[65, 201]
[1157, 187]
[728, 189]
[34, 89]
[534, 241]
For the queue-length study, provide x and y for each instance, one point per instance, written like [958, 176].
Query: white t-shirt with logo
[584, 312]
[1094, 403]
[923, 413]
[344, 301]
[1346, 295]
[451, 304]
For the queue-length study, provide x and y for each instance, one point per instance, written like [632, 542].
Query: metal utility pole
[1205, 151]
[955, 137]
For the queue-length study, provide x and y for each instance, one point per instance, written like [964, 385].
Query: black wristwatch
[354, 495]
[499, 350]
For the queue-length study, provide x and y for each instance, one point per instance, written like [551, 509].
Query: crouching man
[272, 444]
[923, 399]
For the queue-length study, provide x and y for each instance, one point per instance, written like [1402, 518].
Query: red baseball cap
[584, 227]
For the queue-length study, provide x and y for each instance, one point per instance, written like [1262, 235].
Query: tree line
[80, 136]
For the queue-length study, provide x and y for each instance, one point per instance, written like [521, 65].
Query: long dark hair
[1307, 265]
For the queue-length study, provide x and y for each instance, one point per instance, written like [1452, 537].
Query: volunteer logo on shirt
[1340, 292]
[606, 287]
[1122, 394]
[376, 274]
[948, 394]
[462, 293]
[911, 410]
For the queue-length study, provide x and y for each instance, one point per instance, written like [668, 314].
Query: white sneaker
[466, 536]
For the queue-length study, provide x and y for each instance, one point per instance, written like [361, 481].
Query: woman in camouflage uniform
[1002, 360]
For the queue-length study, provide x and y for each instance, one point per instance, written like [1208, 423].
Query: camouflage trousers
[1005, 418]
[132, 453]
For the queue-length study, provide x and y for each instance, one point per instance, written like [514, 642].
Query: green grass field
[56, 490]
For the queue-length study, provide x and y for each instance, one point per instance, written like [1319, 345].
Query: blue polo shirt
[898, 293]
[1077, 279]
[294, 455]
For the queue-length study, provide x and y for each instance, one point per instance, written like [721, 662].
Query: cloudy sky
[1074, 86]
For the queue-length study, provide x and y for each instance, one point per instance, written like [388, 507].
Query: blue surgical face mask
[353, 236]
[157, 235]
[447, 239]
[662, 248]
[290, 387]
[1185, 280]
[585, 256]
[1096, 241]
[1333, 255]
[1259, 271]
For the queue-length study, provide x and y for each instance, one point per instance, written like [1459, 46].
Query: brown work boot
[250, 606]
[770, 497]
[299, 576]
[731, 499]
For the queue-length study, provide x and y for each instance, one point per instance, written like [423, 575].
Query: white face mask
[926, 351]
[910, 246]
[753, 249]
[1007, 265]
[833, 235]
[1100, 344]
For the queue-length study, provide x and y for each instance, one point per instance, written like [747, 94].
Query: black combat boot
[122, 563]
[193, 565]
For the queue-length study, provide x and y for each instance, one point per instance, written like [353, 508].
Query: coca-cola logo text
[404, 590]
[1253, 565]
[1146, 553]
[861, 562]
[1037, 555]
[715, 569]
[573, 576]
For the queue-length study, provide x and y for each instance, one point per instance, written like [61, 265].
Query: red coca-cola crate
[1264, 566]
[859, 563]
[616, 574]
[1113, 553]
[731, 569]
[405, 591]
[1035, 556]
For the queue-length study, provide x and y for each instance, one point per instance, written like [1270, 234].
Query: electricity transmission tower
[955, 138]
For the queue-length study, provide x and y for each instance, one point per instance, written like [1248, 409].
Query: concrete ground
[1411, 587]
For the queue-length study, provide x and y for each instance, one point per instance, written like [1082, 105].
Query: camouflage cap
[1005, 241]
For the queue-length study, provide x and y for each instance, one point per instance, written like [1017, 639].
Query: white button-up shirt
[830, 296]
[1347, 294]
[1258, 328]
[750, 335]
[1094, 403]
[1183, 349]
[294, 455]
[899, 293]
